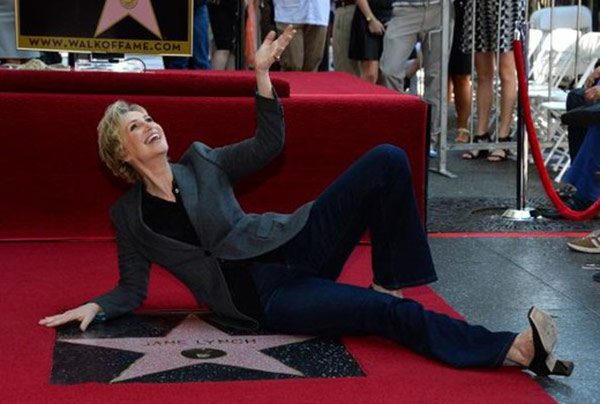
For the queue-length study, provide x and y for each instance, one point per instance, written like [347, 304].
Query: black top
[170, 219]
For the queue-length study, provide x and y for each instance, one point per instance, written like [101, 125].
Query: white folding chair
[589, 53]
[557, 156]
[547, 19]
[554, 61]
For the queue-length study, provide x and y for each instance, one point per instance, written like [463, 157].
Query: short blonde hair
[110, 140]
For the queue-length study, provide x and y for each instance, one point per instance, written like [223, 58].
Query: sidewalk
[483, 190]
[494, 280]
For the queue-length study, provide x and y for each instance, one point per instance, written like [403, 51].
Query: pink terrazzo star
[140, 10]
[195, 342]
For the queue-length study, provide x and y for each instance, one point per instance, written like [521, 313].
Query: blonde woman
[279, 271]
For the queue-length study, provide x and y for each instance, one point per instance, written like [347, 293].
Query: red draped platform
[56, 186]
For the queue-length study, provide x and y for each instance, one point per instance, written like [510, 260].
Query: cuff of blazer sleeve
[269, 104]
[107, 311]
[100, 318]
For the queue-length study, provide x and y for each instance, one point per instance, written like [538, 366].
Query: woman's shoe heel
[544, 340]
[559, 367]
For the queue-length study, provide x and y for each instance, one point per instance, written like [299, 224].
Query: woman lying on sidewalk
[279, 271]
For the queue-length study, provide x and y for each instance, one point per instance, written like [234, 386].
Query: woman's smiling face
[143, 139]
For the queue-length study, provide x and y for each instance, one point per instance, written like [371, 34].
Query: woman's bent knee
[388, 160]
[395, 156]
[390, 151]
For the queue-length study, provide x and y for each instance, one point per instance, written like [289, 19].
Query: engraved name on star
[116, 10]
[195, 342]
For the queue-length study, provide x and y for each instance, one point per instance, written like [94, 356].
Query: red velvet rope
[563, 209]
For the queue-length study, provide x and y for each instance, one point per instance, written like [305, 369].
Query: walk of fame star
[140, 10]
[193, 342]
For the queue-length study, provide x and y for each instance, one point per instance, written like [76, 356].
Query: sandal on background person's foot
[478, 154]
[498, 155]
[462, 135]
[545, 334]
[394, 292]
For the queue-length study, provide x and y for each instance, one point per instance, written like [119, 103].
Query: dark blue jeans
[301, 296]
[582, 173]
[576, 98]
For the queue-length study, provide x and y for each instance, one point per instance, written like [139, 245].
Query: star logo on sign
[116, 10]
[195, 342]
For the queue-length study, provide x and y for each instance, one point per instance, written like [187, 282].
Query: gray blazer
[204, 176]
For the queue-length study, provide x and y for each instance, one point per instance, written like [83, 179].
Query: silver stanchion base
[443, 172]
[526, 214]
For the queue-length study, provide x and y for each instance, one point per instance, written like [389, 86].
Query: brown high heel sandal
[544, 363]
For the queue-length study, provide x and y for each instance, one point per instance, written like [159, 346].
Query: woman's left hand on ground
[271, 48]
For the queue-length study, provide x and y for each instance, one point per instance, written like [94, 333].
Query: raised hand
[84, 314]
[271, 48]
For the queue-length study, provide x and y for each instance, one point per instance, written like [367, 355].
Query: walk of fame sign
[110, 26]
[178, 347]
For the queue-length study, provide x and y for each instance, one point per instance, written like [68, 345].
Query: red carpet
[42, 278]
[303, 83]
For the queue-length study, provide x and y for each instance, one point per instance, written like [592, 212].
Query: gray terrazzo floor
[493, 281]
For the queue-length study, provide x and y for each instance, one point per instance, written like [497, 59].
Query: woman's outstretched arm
[134, 273]
[250, 155]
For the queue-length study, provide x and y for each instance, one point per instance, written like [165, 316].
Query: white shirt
[314, 12]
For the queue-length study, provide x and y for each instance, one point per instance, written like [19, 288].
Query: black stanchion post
[522, 142]
[522, 212]
[239, 35]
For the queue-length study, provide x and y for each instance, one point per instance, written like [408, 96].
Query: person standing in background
[344, 11]
[494, 26]
[412, 21]
[459, 74]
[8, 37]
[223, 21]
[366, 38]
[310, 19]
[199, 59]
